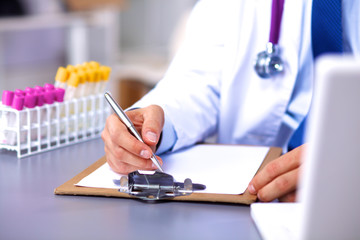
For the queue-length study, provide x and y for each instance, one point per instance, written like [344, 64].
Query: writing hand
[124, 153]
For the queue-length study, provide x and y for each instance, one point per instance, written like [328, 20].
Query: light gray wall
[148, 25]
[30, 57]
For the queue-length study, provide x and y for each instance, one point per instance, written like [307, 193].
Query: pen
[123, 117]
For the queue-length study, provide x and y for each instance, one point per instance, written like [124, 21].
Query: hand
[124, 153]
[279, 178]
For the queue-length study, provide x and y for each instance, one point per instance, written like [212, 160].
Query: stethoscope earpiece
[268, 63]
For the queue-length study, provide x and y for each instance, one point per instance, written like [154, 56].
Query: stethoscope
[269, 63]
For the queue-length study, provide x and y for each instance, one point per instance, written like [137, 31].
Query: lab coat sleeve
[190, 90]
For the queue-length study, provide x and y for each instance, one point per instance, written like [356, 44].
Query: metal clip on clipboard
[156, 185]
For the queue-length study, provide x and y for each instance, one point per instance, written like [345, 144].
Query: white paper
[224, 169]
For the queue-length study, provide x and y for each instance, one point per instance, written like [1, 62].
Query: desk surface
[30, 210]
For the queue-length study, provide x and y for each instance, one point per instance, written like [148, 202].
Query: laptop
[328, 204]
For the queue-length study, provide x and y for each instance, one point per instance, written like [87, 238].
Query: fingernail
[151, 136]
[251, 189]
[145, 154]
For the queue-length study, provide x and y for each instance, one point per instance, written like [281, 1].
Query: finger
[149, 122]
[275, 168]
[121, 167]
[291, 197]
[153, 124]
[279, 187]
[118, 138]
[118, 156]
[123, 151]
[111, 136]
[130, 164]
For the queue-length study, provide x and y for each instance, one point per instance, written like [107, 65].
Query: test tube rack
[35, 130]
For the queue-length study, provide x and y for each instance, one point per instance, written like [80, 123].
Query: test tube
[29, 102]
[18, 104]
[94, 64]
[5, 117]
[61, 78]
[97, 84]
[105, 73]
[40, 101]
[73, 83]
[82, 83]
[92, 73]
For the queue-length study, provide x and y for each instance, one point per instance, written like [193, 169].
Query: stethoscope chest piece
[268, 63]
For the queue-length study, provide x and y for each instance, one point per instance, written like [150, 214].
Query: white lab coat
[211, 86]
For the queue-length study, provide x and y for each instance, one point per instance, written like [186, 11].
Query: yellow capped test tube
[81, 91]
[61, 78]
[80, 67]
[105, 74]
[97, 81]
[73, 83]
[91, 81]
[94, 64]
[86, 65]
[70, 69]
[86, 82]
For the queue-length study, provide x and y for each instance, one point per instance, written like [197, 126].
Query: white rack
[40, 129]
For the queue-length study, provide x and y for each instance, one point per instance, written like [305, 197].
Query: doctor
[211, 90]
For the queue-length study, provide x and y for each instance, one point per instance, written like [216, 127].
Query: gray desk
[30, 210]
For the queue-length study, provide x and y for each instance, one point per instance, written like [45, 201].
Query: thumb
[153, 124]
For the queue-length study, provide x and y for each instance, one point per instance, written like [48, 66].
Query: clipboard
[69, 188]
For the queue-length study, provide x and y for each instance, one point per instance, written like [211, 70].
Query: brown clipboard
[69, 188]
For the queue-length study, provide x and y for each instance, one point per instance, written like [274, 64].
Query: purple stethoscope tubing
[276, 16]
[269, 63]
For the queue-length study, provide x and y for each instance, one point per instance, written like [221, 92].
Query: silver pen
[124, 118]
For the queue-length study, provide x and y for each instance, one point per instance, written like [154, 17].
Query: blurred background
[137, 38]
